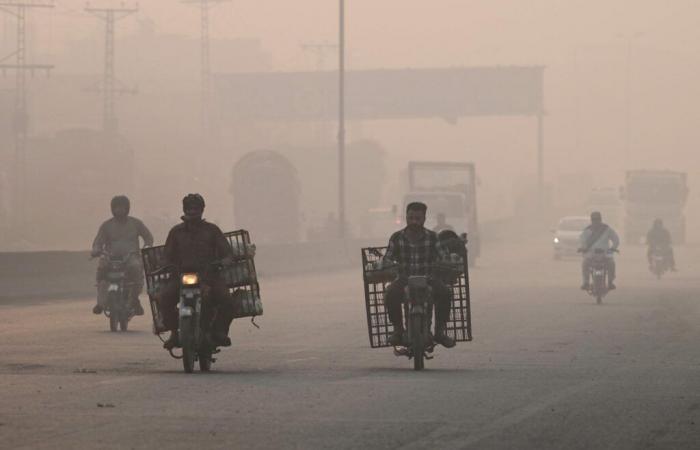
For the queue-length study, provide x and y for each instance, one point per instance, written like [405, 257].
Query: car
[567, 233]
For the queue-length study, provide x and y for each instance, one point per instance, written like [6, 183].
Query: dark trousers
[134, 274]
[586, 269]
[217, 306]
[666, 251]
[395, 295]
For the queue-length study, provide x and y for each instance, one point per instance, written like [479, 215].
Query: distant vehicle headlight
[190, 279]
[556, 240]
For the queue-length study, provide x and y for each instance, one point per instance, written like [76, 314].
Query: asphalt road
[548, 369]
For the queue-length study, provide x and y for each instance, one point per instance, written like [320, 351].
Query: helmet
[193, 201]
[658, 223]
[120, 201]
[596, 216]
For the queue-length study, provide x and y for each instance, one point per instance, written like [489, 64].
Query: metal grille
[154, 259]
[241, 277]
[378, 324]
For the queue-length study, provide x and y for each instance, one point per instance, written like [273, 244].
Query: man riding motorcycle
[659, 240]
[598, 236]
[415, 249]
[193, 246]
[119, 237]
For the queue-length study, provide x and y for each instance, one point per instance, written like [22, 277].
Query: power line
[111, 87]
[205, 61]
[21, 117]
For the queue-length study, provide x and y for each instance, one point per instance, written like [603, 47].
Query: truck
[652, 194]
[606, 201]
[447, 188]
[266, 195]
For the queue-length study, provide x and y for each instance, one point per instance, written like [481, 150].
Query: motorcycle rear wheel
[124, 322]
[205, 361]
[417, 342]
[188, 345]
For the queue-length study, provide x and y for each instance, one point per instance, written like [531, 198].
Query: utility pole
[110, 85]
[341, 122]
[205, 62]
[21, 117]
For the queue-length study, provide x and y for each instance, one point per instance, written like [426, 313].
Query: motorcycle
[118, 308]
[598, 288]
[658, 263]
[417, 341]
[196, 345]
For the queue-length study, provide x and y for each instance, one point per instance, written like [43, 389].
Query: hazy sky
[608, 63]
[395, 33]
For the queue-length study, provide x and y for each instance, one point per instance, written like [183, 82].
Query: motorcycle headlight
[556, 240]
[190, 279]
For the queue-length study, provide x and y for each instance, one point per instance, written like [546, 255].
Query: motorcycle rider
[659, 240]
[598, 236]
[119, 237]
[191, 247]
[415, 249]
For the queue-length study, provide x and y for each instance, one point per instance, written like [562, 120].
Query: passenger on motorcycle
[659, 240]
[442, 224]
[193, 246]
[119, 237]
[598, 236]
[415, 249]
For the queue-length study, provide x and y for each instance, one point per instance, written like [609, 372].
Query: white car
[567, 233]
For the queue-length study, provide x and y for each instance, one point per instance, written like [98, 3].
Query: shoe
[220, 340]
[138, 309]
[396, 338]
[585, 286]
[97, 309]
[443, 339]
[172, 342]
[611, 286]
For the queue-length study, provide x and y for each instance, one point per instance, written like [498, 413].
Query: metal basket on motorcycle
[241, 276]
[377, 279]
[154, 259]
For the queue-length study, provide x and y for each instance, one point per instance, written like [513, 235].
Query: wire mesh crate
[376, 281]
[154, 259]
[241, 276]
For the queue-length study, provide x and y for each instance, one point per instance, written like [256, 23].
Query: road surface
[548, 369]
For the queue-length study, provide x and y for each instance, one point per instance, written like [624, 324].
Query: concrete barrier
[72, 274]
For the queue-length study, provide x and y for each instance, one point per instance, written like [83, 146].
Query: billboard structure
[449, 93]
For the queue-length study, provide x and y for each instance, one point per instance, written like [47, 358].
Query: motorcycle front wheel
[417, 341]
[187, 342]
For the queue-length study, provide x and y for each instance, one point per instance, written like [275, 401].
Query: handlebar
[106, 254]
[218, 265]
[612, 250]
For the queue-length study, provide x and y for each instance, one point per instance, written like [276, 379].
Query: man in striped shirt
[415, 249]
